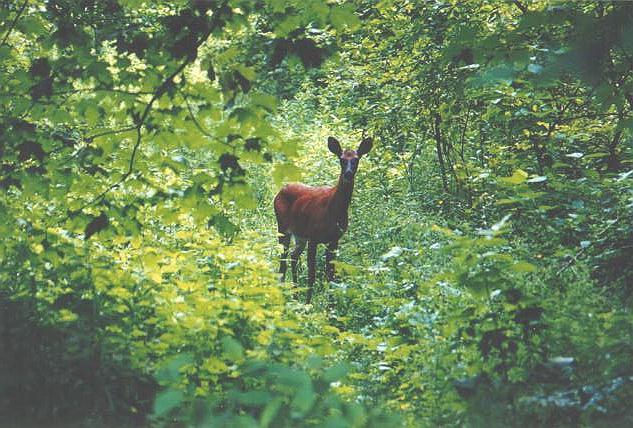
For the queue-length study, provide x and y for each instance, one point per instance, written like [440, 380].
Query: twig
[520, 5]
[198, 125]
[15, 21]
[193, 116]
[80, 91]
[139, 133]
[463, 136]
[110, 132]
[141, 121]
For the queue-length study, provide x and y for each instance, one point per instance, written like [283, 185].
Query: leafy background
[486, 275]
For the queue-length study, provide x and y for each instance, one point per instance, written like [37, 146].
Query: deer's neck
[342, 198]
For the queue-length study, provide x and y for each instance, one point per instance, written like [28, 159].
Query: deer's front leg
[294, 258]
[329, 257]
[283, 262]
[312, 250]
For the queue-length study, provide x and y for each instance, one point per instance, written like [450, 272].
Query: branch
[589, 116]
[79, 91]
[520, 5]
[629, 98]
[110, 132]
[157, 94]
[193, 117]
[198, 125]
[139, 130]
[141, 121]
[15, 21]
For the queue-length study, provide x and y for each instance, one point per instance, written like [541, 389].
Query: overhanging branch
[520, 5]
[160, 91]
[14, 22]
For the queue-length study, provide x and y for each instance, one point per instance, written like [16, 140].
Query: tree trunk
[439, 150]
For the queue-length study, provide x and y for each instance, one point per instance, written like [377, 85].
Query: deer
[317, 215]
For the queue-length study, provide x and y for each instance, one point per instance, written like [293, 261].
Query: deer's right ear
[334, 146]
[365, 146]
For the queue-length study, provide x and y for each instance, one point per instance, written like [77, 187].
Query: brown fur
[313, 213]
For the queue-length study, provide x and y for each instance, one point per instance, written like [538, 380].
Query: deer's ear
[334, 146]
[364, 147]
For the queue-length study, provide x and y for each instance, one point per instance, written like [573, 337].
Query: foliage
[485, 278]
[272, 395]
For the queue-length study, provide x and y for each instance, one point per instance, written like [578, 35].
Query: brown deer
[317, 215]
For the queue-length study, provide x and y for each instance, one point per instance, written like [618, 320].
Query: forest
[485, 275]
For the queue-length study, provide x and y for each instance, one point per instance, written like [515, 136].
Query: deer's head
[349, 158]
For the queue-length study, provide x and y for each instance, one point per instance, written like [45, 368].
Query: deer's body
[316, 215]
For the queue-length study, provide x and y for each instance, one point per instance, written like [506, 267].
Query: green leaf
[279, 5]
[232, 349]
[170, 371]
[287, 25]
[270, 411]
[597, 155]
[247, 72]
[254, 398]
[286, 172]
[304, 399]
[443, 230]
[224, 226]
[31, 25]
[167, 401]
[242, 195]
[519, 176]
[335, 373]
[492, 76]
[241, 421]
[269, 102]
[343, 16]
[523, 267]
[346, 268]
[507, 201]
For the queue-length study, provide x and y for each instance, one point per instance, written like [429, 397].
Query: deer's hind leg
[300, 245]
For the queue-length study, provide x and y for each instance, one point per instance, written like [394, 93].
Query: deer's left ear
[364, 147]
[334, 146]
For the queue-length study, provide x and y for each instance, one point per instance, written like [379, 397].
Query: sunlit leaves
[224, 225]
[232, 349]
[343, 17]
[519, 176]
[266, 101]
[286, 172]
[523, 267]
